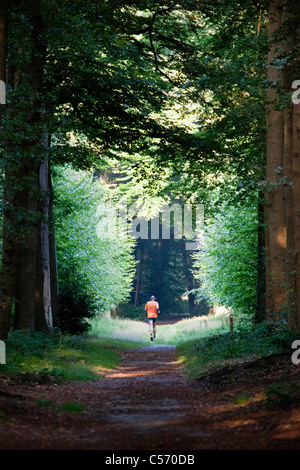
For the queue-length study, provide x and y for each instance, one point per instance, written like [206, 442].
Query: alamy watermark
[296, 354]
[2, 353]
[182, 221]
[296, 93]
[2, 92]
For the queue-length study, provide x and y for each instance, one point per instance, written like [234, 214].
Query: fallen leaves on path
[149, 404]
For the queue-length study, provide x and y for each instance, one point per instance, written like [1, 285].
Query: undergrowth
[247, 341]
[282, 395]
[42, 357]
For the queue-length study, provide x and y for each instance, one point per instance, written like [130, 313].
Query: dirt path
[148, 404]
[147, 401]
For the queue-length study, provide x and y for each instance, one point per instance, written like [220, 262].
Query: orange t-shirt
[152, 308]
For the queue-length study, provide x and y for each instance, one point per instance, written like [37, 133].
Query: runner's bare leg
[151, 328]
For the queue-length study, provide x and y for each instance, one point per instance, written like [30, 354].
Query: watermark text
[2, 353]
[169, 221]
[2, 92]
[296, 354]
[296, 93]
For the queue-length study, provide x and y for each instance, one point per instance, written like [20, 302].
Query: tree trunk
[290, 278]
[27, 275]
[283, 136]
[189, 279]
[10, 254]
[296, 199]
[276, 293]
[27, 254]
[139, 275]
[294, 123]
[53, 256]
[44, 314]
[159, 271]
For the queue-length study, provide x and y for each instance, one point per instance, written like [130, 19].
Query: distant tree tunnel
[163, 270]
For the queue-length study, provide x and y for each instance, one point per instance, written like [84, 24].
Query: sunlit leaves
[227, 264]
[106, 262]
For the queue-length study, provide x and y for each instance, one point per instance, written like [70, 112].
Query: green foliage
[225, 71]
[95, 266]
[282, 396]
[121, 332]
[189, 329]
[131, 311]
[109, 79]
[38, 357]
[226, 265]
[76, 303]
[176, 89]
[163, 274]
[248, 341]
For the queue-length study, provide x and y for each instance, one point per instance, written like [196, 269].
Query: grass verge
[136, 333]
[189, 329]
[133, 333]
[39, 357]
[248, 341]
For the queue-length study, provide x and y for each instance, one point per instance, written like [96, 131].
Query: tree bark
[10, 255]
[53, 255]
[290, 260]
[189, 279]
[296, 206]
[139, 275]
[283, 136]
[44, 314]
[26, 276]
[294, 123]
[159, 270]
[276, 243]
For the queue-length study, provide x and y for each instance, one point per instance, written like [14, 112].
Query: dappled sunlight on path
[148, 403]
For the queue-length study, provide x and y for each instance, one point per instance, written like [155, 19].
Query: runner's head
[152, 297]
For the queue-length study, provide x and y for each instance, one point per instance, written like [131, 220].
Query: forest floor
[148, 403]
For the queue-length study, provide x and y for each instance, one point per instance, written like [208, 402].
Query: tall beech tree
[275, 206]
[283, 170]
[23, 137]
[88, 78]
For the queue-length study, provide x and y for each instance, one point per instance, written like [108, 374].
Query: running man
[152, 308]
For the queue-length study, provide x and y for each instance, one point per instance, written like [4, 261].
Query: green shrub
[95, 269]
[77, 305]
[247, 341]
[226, 265]
[131, 311]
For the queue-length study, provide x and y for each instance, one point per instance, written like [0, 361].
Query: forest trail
[147, 403]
